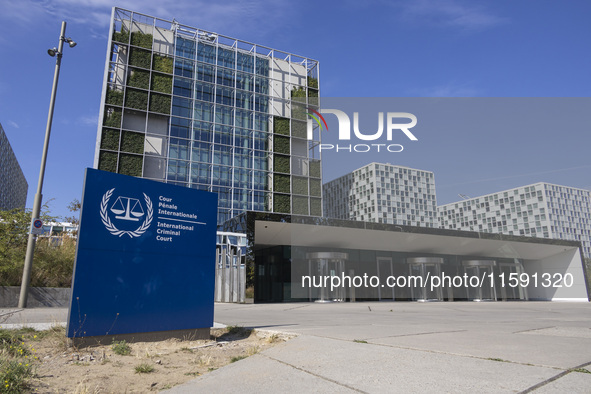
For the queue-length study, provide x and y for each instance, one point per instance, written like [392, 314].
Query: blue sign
[146, 257]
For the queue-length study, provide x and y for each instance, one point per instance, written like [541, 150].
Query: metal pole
[22, 302]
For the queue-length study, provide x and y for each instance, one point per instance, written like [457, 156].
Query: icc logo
[126, 209]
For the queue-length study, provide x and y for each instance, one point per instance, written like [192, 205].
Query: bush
[136, 99]
[299, 129]
[281, 145]
[110, 139]
[114, 97]
[54, 262]
[281, 164]
[139, 78]
[107, 161]
[121, 348]
[315, 187]
[132, 142]
[162, 83]
[144, 368]
[315, 207]
[313, 82]
[281, 183]
[163, 63]
[130, 165]
[139, 58]
[140, 39]
[112, 117]
[281, 203]
[160, 103]
[122, 36]
[300, 186]
[281, 125]
[300, 205]
[315, 168]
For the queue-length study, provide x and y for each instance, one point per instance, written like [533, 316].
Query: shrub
[281, 203]
[281, 125]
[162, 83]
[315, 207]
[112, 117]
[144, 368]
[315, 168]
[163, 63]
[281, 164]
[121, 348]
[122, 36]
[110, 139]
[139, 58]
[107, 161]
[139, 78]
[160, 103]
[130, 165]
[300, 205]
[300, 186]
[136, 99]
[281, 183]
[313, 82]
[140, 39]
[114, 97]
[299, 129]
[315, 187]
[132, 142]
[281, 145]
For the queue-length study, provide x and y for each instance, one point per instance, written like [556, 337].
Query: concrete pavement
[410, 347]
[397, 347]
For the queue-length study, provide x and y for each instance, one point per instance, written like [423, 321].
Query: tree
[74, 207]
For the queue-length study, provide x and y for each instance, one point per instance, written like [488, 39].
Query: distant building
[539, 210]
[13, 185]
[383, 193]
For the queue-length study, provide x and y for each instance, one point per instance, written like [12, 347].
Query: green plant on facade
[108, 161]
[112, 117]
[121, 36]
[299, 110]
[130, 165]
[136, 99]
[163, 63]
[281, 145]
[281, 203]
[300, 186]
[139, 78]
[160, 103]
[162, 83]
[313, 97]
[280, 125]
[300, 205]
[140, 39]
[299, 129]
[313, 82]
[298, 93]
[315, 207]
[114, 97]
[315, 168]
[110, 139]
[139, 58]
[132, 142]
[315, 187]
[281, 164]
[281, 183]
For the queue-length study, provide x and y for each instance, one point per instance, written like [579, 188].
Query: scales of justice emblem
[129, 209]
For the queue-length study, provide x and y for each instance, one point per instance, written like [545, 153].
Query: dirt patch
[149, 366]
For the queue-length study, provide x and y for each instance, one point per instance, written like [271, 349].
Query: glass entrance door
[508, 270]
[484, 287]
[385, 269]
[421, 269]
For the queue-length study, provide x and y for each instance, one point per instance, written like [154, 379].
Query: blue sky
[424, 48]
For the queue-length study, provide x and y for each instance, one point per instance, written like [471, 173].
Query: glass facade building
[197, 109]
[13, 185]
[539, 210]
[383, 193]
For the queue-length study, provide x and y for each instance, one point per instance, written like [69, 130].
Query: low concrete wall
[39, 297]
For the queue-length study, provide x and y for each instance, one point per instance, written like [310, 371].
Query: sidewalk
[37, 318]
[410, 347]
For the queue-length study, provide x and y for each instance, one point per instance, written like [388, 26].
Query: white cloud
[13, 124]
[454, 13]
[451, 89]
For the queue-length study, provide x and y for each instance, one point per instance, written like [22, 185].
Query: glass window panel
[178, 170]
[244, 100]
[243, 118]
[221, 175]
[261, 122]
[179, 149]
[201, 152]
[261, 103]
[245, 62]
[183, 87]
[206, 53]
[262, 66]
[261, 85]
[260, 180]
[224, 96]
[244, 81]
[182, 107]
[259, 201]
[184, 68]
[226, 57]
[201, 173]
[243, 138]
[185, 47]
[241, 199]
[204, 91]
[203, 111]
[222, 155]
[242, 158]
[202, 131]
[223, 135]
[260, 160]
[180, 127]
[205, 73]
[225, 77]
[224, 115]
[261, 140]
[241, 178]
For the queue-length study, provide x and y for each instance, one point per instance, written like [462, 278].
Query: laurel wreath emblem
[114, 230]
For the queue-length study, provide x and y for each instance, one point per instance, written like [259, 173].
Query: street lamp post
[22, 302]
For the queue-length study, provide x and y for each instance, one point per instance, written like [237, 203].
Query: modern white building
[539, 210]
[383, 193]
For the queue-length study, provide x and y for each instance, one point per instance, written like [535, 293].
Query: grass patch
[144, 368]
[121, 348]
[237, 358]
[238, 330]
[497, 359]
[14, 374]
[581, 370]
[359, 341]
